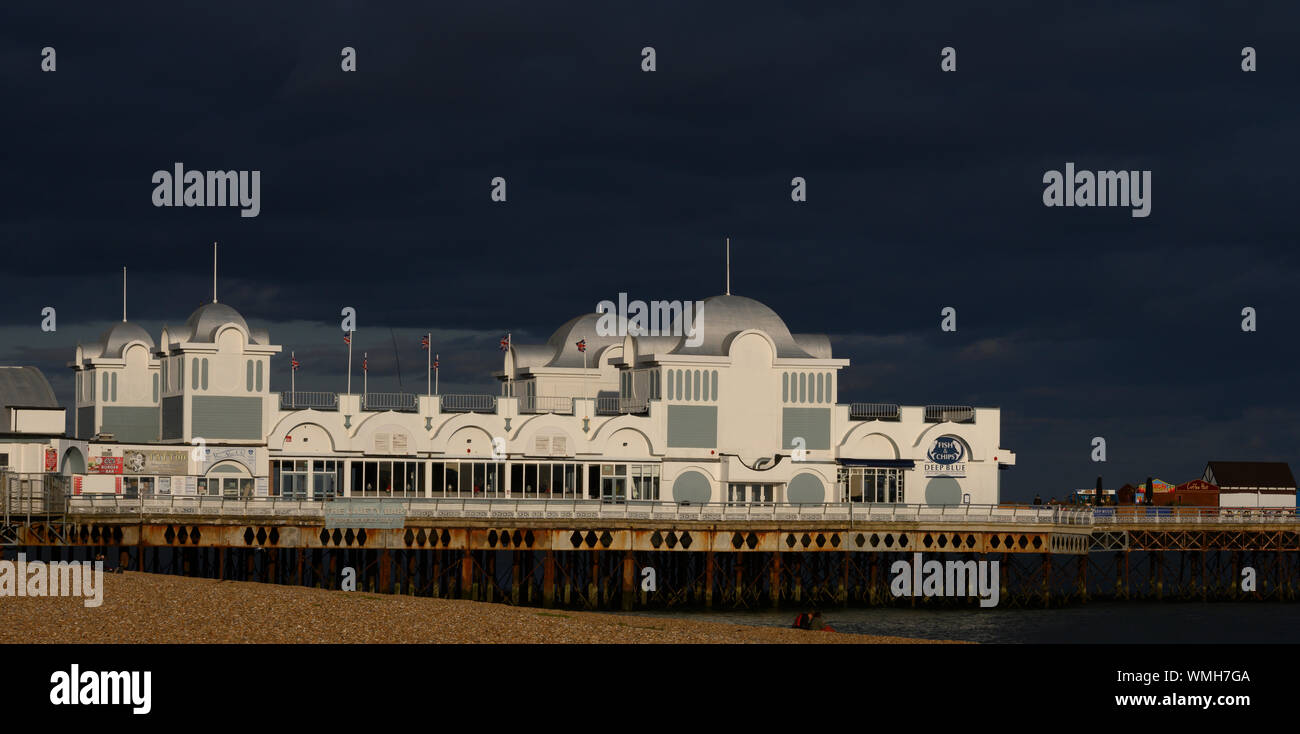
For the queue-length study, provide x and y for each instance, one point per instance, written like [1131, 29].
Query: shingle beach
[159, 609]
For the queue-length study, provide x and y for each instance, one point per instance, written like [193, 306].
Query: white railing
[546, 404]
[873, 411]
[468, 403]
[309, 400]
[1170, 515]
[399, 401]
[947, 413]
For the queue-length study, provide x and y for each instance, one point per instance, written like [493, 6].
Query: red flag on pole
[364, 357]
[347, 339]
[582, 345]
[294, 362]
[505, 343]
[424, 341]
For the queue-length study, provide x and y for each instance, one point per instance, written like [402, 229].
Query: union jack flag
[347, 338]
[435, 360]
[424, 341]
[582, 345]
[364, 357]
[505, 343]
[293, 361]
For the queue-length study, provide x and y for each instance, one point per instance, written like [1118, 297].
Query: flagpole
[510, 376]
[435, 378]
[365, 378]
[584, 371]
[350, 332]
[428, 361]
[293, 373]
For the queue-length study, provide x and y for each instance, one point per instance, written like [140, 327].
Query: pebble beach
[141, 608]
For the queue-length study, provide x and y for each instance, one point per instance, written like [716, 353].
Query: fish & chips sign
[946, 458]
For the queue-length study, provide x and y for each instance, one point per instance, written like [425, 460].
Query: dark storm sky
[924, 191]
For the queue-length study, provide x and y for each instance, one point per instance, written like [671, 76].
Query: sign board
[104, 465]
[365, 513]
[261, 489]
[247, 457]
[946, 458]
[51, 459]
[170, 463]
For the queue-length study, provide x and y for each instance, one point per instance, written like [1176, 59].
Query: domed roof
[116, 337]
[564, 342]
[722, 316]
[203, 324]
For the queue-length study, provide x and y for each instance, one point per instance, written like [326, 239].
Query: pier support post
[844, 579]
[629, 571]
[466, 575]
[775, 580]
[516, 577]
[1083, 578]
[548, 580]
[708, 579]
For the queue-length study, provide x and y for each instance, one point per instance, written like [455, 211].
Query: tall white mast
[728, 266]
[214, 272]
[123, 294]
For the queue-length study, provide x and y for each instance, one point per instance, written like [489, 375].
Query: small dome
[564, 342]
[203, 324]
[114, 340]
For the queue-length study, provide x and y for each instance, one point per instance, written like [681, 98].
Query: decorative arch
[228, 468]
[628, 443]
[733, 338]
[309, 437]
[469, 442]
[73, 462]
[958, 431]
[862, 442]
[338, 440]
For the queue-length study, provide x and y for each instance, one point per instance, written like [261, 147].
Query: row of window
[870, 484]
[806, 387]
[693, 385]
[86, 386]
[249, 380]
[322, 479]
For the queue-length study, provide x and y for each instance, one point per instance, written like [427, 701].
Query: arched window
[697, 384]
[248, 376]
[785, 387]
[715, 385]
[803, 387]
[155, 388]
[819, 387]
[259, 375]
[114, 387]
[194, 373]
[205, 373]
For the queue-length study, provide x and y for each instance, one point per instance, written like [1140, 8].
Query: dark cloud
[924, 191]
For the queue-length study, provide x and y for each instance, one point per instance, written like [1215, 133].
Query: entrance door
[613, 489]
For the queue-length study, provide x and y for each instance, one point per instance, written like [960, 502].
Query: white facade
[745, 412]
